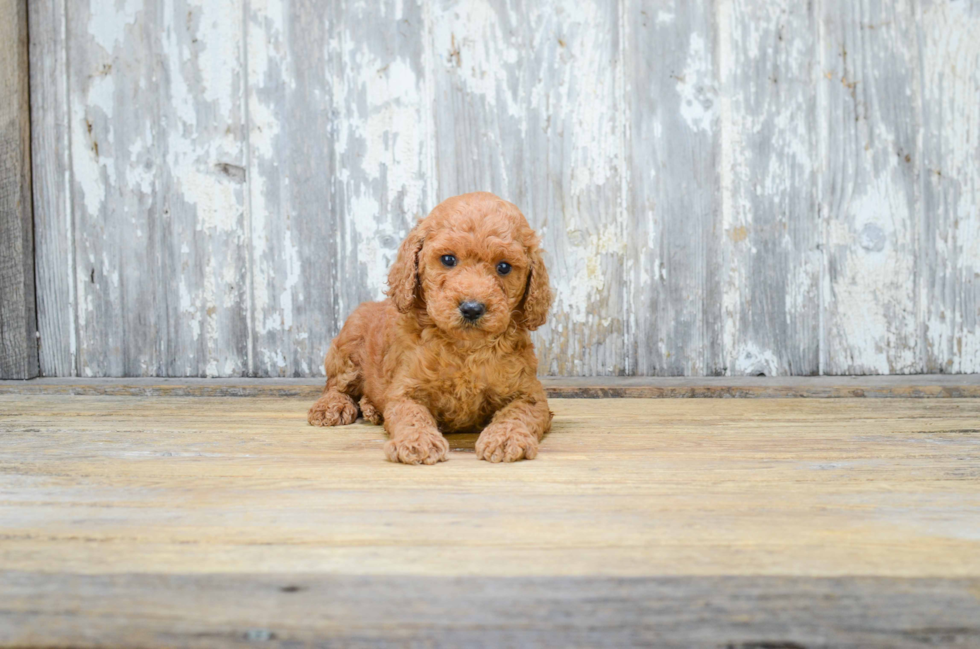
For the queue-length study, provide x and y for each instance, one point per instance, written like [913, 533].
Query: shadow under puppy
[450, 349]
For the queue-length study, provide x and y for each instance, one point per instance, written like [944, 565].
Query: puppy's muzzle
[471, 310]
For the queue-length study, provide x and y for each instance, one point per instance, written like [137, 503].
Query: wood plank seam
[884, 387]
[18, 310]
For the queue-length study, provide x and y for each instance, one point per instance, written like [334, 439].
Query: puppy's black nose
[472, 310]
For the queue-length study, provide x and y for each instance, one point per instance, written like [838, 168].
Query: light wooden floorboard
[140, 521]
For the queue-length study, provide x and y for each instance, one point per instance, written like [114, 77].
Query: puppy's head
[472, 266]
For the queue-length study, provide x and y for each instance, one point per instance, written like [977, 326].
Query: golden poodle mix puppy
[450, 349]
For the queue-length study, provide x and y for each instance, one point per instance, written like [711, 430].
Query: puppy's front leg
[415, 439]
[515, 430]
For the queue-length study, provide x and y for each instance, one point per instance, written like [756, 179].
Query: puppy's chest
[467, 396]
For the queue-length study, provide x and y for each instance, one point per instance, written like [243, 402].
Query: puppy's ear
[403, 278]
[537, 294]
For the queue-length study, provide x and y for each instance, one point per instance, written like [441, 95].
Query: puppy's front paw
[370, 413]
[332, 409]
[417, 447]
[506, 443]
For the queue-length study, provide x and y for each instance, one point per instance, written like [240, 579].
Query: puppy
[450, 349]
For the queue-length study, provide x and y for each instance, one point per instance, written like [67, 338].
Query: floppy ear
[403, 278]
[537, 294]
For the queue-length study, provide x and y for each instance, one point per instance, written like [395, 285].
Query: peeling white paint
[950, 33]
[696, 87]
[871, 195]
[292, 264]
[219, 30]
[376, 246]
[471, 39]
[91, 158]
[572, 84]
[874, 327]
[767, 174]
[753, 361]
[382, 100]
[108, 21]
[585, 279]
[537, 100]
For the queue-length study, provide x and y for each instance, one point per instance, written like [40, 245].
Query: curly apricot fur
[413, 362]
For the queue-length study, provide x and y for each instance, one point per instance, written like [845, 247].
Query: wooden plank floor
[152, 521]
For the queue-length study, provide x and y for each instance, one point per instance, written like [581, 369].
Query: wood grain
[949, 261]
[339, 151]
[354, 611]
[18, 317]
[574, 179]
[292, 210]
[158, 201]
[767, 104]
[737, 188]
[51, 164]
[638, 487]
[675, 292]
[870, 195]
[829, 387]
[525, 103]
[170, 521]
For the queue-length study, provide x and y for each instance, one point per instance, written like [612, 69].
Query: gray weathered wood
[340, 160]
[735, 188]
[157, 154]
[51, 164]
[674, 246]
[765, 523]
[574, 179]
[767, 102]
[526, 98]
[869, 190]
[479, 97]
[290, 167]
[18, 320]
[949, 253]
[283, 610]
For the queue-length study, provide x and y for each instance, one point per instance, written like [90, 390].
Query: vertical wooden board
[291, 165]
[528, 101]
[949, 32]
[869, 195]
[478, 68]
[674, 246]
[18, 320]
[767, 57]
[339, 141]
[478, 93]
[573, 180]
[384, 148]
[158, 162]
[50, 148]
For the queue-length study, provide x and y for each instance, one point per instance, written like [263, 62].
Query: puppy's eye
[448, 260]
[503, 268]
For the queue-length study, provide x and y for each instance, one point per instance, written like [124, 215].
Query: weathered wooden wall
[18, 319]
[728, 187]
